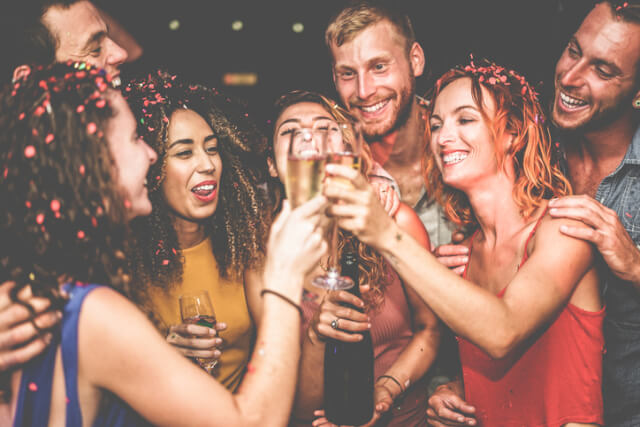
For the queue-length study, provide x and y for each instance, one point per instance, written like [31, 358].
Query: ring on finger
[334, 323]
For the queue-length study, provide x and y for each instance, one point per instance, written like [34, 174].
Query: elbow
[501, 344]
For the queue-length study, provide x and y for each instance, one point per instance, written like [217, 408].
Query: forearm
[310, 388]
[272, 367]
[416, 358]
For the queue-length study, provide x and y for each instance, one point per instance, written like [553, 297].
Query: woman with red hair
[527, 311]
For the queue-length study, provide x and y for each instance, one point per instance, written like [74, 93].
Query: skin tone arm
[411, 364]
[540, 288]
[604, 230]
[164, 399]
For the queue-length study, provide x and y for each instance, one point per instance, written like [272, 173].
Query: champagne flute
[196, 309]
[305, 164]
[344, 146]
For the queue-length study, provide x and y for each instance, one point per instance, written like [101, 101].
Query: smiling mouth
[204, 190]
[116, 82]
[571, 103]
[371, 109]
[453, 158]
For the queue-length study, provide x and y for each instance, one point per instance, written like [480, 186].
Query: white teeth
[116, 82]
[571, 102]
[373, 108]
[207, 187]
[454, 157]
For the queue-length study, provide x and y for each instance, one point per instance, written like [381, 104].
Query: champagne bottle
[348, 367]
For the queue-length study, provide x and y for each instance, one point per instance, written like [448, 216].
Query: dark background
[527, 35]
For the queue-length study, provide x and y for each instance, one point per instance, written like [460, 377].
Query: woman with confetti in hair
[209, 219]
[527, 310]
[73, 176]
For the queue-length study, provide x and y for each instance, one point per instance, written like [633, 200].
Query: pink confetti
[39, 111]
[101, 103]
[27, 204]
[91, 128]
[81, 234]
[21, 116]
[29, 151]
[80, 109]
[33, 386]
[55, 205]
[628, 215]
[94, 221]
[81, 169]
[40, 218]
[165, 262]
[127, 204]
[49, 138]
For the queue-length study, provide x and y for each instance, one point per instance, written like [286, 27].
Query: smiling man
[376, 61]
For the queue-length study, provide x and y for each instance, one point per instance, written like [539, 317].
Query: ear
[273, 171]
[416, 59]
[21, 72]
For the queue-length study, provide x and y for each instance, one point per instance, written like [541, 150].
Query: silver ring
[334, 323]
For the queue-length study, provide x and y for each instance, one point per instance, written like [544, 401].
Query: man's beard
[600, 119]
[405, 100]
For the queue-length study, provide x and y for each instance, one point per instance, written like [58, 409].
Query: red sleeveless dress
[553, 378]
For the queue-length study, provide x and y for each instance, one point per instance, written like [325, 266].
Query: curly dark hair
[239, 227]
[372, 265]
[61, 215]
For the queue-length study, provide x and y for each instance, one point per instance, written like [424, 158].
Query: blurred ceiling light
[174, 24]
[237, 25]
[297, 27]
[240, 79]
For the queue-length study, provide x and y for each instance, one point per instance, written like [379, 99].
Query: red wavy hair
[518, 113]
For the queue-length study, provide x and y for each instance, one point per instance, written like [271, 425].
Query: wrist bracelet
[284, 298]
[392, 379]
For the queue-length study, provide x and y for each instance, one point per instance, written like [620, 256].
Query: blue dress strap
[34, 398]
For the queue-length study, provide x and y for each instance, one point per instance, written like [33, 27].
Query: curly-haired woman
[527, 310]
[73, 176]
[209, 220]
[404, 331]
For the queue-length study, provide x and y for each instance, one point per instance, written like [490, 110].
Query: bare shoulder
[549, 236]
[410, 222]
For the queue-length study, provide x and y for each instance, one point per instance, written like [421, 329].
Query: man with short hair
[596, 111]
[376, 60]
[53, 31]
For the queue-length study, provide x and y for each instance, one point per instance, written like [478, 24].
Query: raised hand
[196, 340]
[333, 320]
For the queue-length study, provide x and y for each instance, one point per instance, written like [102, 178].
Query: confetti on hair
[55, 205]
[33, 386]
[165, 262]
[628, 215]
[80, 235]
[80, 109]
[81, 169]
[50, 137]
[29, 151]
[91, 128]
[21, 116]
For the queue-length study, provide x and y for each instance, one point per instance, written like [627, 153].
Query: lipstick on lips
[206, 191]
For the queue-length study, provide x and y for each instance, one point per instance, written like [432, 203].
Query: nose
[151, 153]
[366, 86]
[572, 75]
[116, 55]
[205, 162]
[444, 134]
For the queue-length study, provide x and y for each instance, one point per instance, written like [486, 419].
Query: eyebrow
[614, 68]
[295, 120]
[188, 141]
[457, 110]
[95, 38]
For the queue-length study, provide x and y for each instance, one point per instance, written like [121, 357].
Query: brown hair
[518, 112]
[359, 15]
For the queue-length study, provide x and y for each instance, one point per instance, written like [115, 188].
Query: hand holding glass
[305, 164]
[196, 309]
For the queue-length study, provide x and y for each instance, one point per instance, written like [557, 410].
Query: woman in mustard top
[209, 219]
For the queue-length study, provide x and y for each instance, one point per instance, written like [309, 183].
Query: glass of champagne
[305, 164]
[196, 309]
[344, 146]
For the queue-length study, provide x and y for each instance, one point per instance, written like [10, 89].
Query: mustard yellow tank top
[200, 272]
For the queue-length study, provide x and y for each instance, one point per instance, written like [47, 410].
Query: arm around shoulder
[410, 222]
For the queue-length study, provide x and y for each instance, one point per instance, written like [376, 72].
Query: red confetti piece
[34, 132]
[39, 111]
[628, 215]
[91, 128]
[33, 386]
[29, 151]
[165, 262]
[49, 138]
[81, 169]
[21, 116]
[57, 215]
[54, 205]
[81, 234]
[80, 109]
[27, 204]
[94, 221]
[101, 103]
[5, 173]
[40, 218]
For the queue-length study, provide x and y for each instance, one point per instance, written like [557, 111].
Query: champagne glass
[305, 164]
[344, 146]
[196, 309]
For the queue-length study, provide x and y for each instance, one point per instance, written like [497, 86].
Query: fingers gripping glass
[344, 146]
[196, 309]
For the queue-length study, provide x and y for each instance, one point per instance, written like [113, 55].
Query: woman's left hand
[358, 209]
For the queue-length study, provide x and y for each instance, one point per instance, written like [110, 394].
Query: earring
[636, 103]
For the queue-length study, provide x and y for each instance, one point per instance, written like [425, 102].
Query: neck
[495, 209]
[607, 143]
[405, 144]
[189, 233]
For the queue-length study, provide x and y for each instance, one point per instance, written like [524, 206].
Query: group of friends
[479, 212]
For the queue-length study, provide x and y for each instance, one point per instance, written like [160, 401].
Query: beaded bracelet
[284, 298]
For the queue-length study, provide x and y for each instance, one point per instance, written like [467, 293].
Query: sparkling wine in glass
[344, 146]
[196, 309]
[305, 164]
